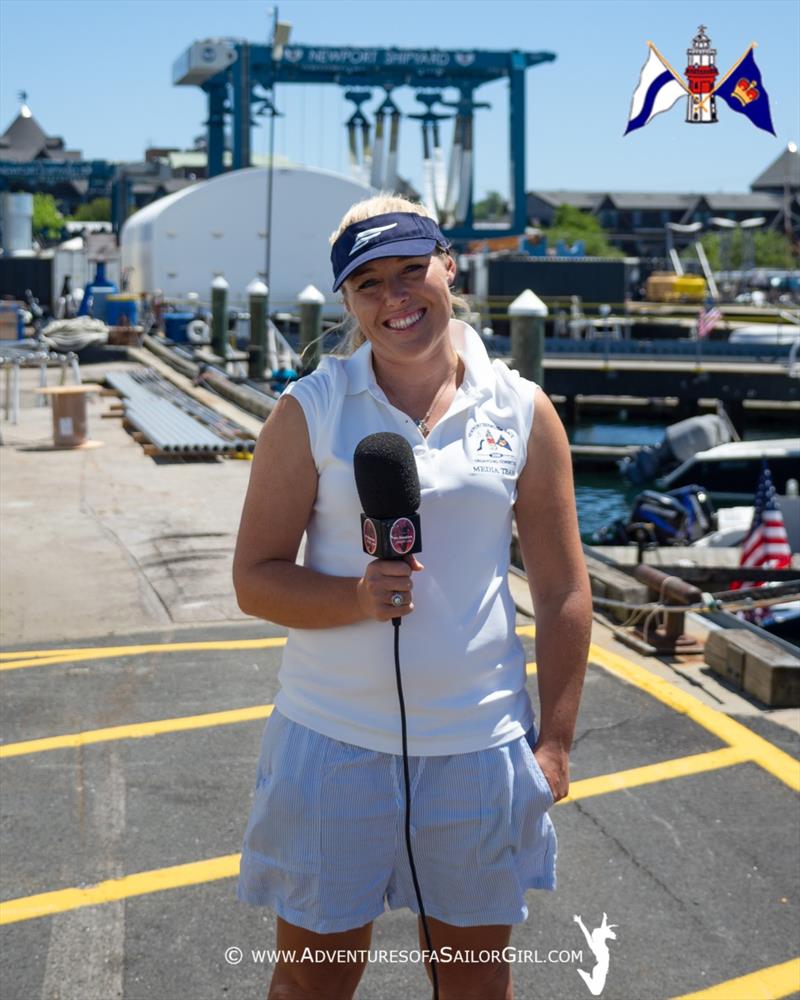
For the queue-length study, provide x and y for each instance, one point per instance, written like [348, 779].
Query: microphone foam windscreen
[386, 476]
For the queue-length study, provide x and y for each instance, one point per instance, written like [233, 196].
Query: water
[602, 497]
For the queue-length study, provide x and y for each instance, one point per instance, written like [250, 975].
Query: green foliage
[726, 251]
[570, 224]
[47, 220]
[493, 206]
[96, 210]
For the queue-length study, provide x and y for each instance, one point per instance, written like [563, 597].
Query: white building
[181, 242]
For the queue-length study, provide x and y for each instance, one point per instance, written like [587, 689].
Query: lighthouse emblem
[701, 104]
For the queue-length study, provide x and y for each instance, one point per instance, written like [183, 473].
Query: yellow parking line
[40, 658]
[45, 657]
[46, 903]
[665, 770]
[780, 764]
[136, 730]
[766, 984]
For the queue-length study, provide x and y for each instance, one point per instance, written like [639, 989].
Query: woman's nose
[395, 290]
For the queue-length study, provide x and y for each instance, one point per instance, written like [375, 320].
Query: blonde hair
[381, 204]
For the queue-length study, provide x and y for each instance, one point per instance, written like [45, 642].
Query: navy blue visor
[396, 234]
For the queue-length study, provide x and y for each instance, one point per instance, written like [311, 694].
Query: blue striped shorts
[325, 842]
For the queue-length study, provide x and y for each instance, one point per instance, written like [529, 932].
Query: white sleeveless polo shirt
[462, 664]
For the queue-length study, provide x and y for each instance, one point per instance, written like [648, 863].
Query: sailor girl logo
[492, 449]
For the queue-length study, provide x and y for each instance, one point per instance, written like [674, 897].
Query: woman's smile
[406, 321]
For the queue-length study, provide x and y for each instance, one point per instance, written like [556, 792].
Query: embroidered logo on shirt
[491, 449]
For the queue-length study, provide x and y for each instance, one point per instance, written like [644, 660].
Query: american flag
[766, 544]
[708, 319]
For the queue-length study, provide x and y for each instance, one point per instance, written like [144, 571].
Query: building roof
[758, 201]
[579, 199]
[785, 168]
[652, 200]
[25, 140]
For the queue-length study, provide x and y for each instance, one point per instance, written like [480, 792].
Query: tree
[725, 252]
[96, 210]
[47, 220]
[493, 206]
[570, 224]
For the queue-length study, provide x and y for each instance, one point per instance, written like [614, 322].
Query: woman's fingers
[384, 578]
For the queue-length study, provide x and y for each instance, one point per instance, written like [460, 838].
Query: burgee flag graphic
[658, 89]
[743, 90]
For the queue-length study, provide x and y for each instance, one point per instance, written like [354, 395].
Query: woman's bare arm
[547, 526]
[277, 507]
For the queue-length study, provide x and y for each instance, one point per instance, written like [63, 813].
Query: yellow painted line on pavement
[47, 903]
[766, 984]
[46, 657]
[649, 774]
[780, 764]
[136, 730]
[40, 657]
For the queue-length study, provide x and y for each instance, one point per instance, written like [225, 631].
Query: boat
[729, 472]
[680, 442]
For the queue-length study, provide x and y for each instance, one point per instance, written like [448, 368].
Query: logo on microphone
[370, 537]
[402, 536]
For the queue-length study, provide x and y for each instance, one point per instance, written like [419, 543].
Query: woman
[324, 845]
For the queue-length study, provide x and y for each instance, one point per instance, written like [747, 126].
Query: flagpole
[731, 70]
[669, 67]
[734, 67]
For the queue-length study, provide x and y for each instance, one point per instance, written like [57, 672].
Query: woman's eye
[414, 267]
[366, 284]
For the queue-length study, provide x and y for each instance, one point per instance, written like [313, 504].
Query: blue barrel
[121, 310]
[175, 325]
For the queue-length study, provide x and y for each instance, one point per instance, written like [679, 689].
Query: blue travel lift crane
[228, 71]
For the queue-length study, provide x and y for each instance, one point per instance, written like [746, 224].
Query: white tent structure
[181, 242]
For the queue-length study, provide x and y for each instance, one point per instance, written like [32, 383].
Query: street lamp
[679, 227]
[748, 241]
[280, 36]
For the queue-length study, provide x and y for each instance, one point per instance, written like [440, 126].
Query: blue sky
[99, 72]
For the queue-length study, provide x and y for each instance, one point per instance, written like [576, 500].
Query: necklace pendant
[423, 427]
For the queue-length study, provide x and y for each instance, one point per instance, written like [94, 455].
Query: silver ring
[397, 599]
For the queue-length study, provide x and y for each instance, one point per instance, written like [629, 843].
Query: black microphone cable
[434, 972]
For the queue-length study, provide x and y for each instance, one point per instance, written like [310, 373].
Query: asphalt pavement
[134, 695]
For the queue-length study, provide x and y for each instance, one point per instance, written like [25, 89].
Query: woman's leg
[490, 980]
[327, 980]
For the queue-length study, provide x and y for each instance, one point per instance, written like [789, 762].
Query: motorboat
[729, 472]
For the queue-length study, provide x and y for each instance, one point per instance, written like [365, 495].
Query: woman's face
[402, 304]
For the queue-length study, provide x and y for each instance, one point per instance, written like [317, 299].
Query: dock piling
[257, 300]
[311, 300]
[219, 315]
[527, 313]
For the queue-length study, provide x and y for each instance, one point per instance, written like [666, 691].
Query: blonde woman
[324, 844]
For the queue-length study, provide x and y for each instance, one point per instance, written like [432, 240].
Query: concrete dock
[134, 693]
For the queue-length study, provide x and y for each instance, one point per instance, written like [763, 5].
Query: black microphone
[388, 487]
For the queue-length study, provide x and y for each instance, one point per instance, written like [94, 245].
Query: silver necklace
[422, 423]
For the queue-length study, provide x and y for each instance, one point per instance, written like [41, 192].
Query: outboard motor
[679, 517]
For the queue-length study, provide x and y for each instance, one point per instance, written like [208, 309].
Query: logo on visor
[369, 234]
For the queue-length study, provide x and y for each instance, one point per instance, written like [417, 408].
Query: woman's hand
[381, 579]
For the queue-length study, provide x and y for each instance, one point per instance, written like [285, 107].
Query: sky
[99, 73]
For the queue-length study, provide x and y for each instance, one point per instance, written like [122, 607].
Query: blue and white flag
[657, 91]
[742, 89]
